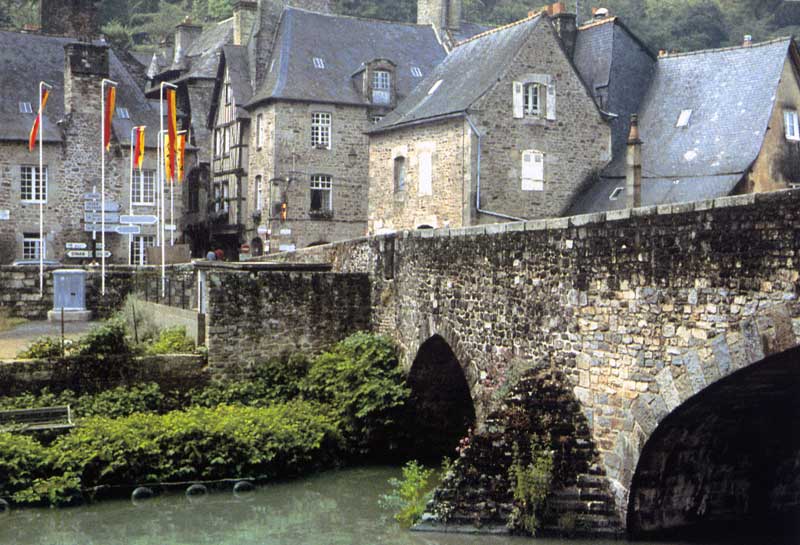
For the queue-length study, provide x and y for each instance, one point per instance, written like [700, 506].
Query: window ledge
[28, 201]
[320, 214]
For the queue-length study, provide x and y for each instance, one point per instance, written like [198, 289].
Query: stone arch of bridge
[689, 376]
[441, 406]
[726, 461]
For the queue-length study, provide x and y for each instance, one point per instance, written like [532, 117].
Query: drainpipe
[478, 192]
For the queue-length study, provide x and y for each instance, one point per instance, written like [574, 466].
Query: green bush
[410, 494]
[531, 482]
[172, 340]
[43, 348]
[108, 339]
[360, 379]
[22, 459]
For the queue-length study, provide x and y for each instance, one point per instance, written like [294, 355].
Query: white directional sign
[79, 253]
[262, 230]
[128, 229]
[97, 217]
[138, 220]
[5, 215]
[75, 245]
[169, 227]
[92, 196]
[96, 206]
[110, 227]
[100, 254]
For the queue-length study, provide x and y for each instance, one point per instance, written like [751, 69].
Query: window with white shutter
[551, 99]
[532, 170]
[519, 100]
[791, 124]
[425, 173]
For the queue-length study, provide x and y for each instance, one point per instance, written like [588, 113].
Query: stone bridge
[652, 349]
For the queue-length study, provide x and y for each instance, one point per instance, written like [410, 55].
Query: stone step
[586, 480]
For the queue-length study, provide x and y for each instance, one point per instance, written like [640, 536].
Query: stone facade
[252, 317]
[573, 138]
[286, 154]
[640, 311]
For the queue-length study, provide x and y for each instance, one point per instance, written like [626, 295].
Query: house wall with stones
[638, 311]
[287, 152]
[576, 144]
[447, 205]
[778, 164]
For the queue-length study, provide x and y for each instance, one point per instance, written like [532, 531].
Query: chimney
[244, 16]
[633, 170]
[598, 14]
[565, 25]
[748, 40]
[442, 14]
[72, 18]
[185, 34]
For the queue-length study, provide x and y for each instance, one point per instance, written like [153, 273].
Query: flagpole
[103, 181]
[41, 187]
[130, 202]
[161, 144]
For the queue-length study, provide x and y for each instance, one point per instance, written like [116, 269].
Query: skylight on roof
[416, 72]
[319, 63]
[615, 194]
[123, 113]
[435, 86]
[25, 108]
[683, 119]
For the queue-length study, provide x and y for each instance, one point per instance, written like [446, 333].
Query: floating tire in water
[142, 493]
[196, 490]
[243, 487]
[5, 507]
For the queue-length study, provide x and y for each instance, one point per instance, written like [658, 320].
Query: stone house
[712, 123]
[291, 154]
[503, 129]
[71, 137]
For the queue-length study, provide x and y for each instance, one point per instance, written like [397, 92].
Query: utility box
[69, 295]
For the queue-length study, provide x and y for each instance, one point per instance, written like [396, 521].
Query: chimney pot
[748, 40]
[599, 13]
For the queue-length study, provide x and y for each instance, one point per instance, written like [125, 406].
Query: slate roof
[466, 74]
[344, 44]
[468, 30]
[202, 57]
[236, 61]
[26, 59]
[731, 93]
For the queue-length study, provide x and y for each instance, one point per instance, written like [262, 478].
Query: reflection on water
[335, 508]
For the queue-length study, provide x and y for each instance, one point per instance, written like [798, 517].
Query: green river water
[333, 508]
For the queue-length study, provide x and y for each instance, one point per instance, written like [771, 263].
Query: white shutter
[532, 171]
[425, 173]
[518, 101]
[551, 99]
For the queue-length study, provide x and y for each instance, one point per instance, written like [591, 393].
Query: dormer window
[381, 87]
[416, 72]
[319, 63]
[683, 118]
[25, 108]
[123, 113]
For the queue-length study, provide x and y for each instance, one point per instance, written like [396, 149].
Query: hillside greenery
[681, 25]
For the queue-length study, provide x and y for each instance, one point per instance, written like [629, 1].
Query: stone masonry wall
[390, 210]
[575, 145]
[640, 309]
[288, 152]
[254, 316]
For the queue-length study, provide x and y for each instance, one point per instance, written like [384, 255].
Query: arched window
[400, 173]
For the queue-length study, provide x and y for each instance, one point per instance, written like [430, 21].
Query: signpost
[75, 245]
[78, 254]
[169, 227]
[94, 206]
[138, 219]
[128, 229]
[94, 217]
[98, 227]
[262, 230]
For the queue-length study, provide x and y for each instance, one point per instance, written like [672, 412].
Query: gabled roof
[467, 31]
[343, 44]
[731, 94]
[27, 59]
[202, 57]
[468, 72]
[235, 60]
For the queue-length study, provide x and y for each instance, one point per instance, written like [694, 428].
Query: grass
[9, 322]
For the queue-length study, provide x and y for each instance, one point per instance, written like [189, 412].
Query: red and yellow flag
[108, 115]
[138, 147]
[172, 134]
[37, 123]
[181, 156]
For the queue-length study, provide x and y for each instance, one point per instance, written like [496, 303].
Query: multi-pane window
[532, 170]
[259, 193]
[791, 124]
[321, 130]
[381, 87]
[30, 246]
[139, 244]
[221, 195]
[260, 131]
[228, 95]
[33, 186]
[226, 141]
[321, 193]
[25, 108]
[144, 187]
[533, 99]
[123, 113]
[399, 173]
